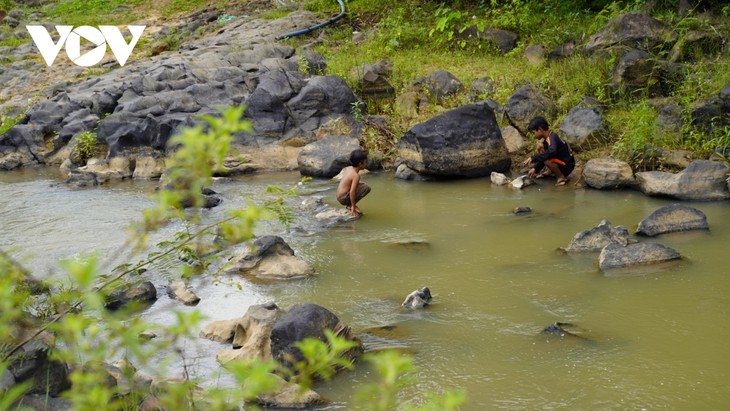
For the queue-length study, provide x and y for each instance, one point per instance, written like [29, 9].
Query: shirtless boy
[351, 189]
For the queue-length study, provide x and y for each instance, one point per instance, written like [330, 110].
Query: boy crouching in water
[351, 189]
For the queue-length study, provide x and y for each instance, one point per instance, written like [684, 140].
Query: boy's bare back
[350, 179]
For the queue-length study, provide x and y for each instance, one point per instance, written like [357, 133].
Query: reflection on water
[655, 338]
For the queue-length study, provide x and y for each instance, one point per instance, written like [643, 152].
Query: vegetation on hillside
[422, 37]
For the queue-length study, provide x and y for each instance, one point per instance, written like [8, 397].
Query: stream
[655, 336]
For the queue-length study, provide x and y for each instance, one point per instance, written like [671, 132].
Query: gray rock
[418, 299]
[149, 166]
[250, 335]
[322, 96]
[327, 157]
[713, 113]
[512, 139]
[598, 237]
[633, 30]
[372, 80]
[291, 396]
[307, 321]
[439, 85]
[584, 128]
[403, 172]
[695, 44]
[521, 182]
[535, 54]
[332, 217]
[178, 290]
[270, 258]
[483, 87]
[703, 180]
[463, 142]
[526, 103]
[608, 173]
[143, 293]
[674, 217]
[639, 70]
[565, 50]
[522, 211]
[617, 256]
[504, 40]
[7, 381]
[499, 178]
[46, 376]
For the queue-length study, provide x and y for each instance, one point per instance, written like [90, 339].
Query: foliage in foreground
[78, 329]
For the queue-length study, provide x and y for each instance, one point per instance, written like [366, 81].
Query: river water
[656, 337]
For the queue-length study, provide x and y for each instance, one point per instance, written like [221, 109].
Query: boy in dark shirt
[556, 155]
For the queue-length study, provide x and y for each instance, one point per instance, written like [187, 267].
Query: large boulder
[307, 321]
[598, 237]
[584, 128]
[617, 256]
[631, 30]
[251, 334]
[327, 157]
[525, 104]
[270, 257]
[703, 180]
[608, 173]
[638, 70]
[674, 217]
[464, 142]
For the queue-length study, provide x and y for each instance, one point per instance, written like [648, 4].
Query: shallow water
[655, 336]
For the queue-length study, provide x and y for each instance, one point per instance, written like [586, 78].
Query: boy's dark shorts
[361, 191]
[566, 169]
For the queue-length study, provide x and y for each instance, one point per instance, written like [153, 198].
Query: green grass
[93, 12]
[177, 7]
[6, 123]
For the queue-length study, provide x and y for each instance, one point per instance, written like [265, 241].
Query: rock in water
[418, 299]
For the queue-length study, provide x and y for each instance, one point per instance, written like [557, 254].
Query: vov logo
[71, 37]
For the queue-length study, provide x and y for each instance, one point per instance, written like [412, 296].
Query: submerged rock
[418, 299]
[564, 330]
[675, 217]
[522, 210]
[335, 216]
